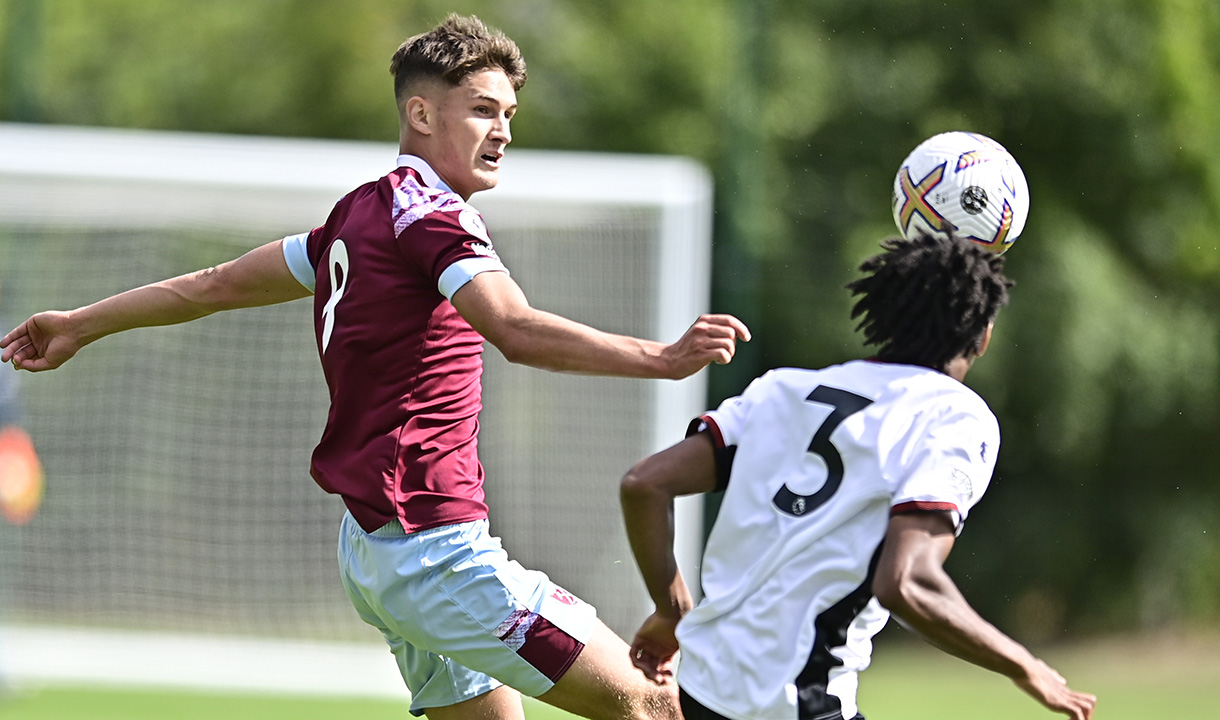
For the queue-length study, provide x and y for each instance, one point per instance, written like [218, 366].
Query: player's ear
[419, 114]
[985, 340]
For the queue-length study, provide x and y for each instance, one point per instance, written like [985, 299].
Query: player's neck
[958, 367]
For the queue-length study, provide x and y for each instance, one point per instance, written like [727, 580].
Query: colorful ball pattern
[964, 182]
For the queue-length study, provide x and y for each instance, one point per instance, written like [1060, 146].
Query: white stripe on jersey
[463, 271]
[822, 457]
[296, 254]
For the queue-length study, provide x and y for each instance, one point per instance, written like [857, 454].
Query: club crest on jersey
[564, 596]
[473, 223]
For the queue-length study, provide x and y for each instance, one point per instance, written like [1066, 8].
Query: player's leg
[603, 684]
[503, 703]
[471, 619]
[537, 637]
[440, 687]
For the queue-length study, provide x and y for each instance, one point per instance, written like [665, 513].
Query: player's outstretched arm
[647, 493]
[911, 582]
[495, 306]
[49, 339]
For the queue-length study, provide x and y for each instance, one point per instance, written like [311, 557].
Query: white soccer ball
[964, 182]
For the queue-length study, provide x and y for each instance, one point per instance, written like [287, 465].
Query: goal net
[177, 495]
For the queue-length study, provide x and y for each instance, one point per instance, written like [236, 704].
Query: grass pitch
[1169, 677]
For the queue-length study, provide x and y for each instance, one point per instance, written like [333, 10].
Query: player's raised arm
[497, 308]
[49, 339]
[912, 584]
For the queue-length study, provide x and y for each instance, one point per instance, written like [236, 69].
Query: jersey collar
[425, 171]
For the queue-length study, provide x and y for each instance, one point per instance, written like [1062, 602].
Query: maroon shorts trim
[540, 643]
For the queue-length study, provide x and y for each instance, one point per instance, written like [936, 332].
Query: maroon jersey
[403, 367]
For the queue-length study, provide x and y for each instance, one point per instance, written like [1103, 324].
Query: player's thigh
[602, 683]
[375, 573]
[503, 703]
[493, 615]
[453, 593]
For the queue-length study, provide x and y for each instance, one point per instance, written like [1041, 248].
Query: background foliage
[1105, 371]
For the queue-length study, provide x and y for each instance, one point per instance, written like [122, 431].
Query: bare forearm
[647, 494]
[550, 342]
[912, 583]
[941, 615]
[49, 339]
[164, 303]
[495, 306]
[649, 520]
[178, 300]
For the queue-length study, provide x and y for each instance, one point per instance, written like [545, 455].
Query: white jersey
[820, 459]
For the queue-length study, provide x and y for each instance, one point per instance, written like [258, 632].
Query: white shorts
[460, 617]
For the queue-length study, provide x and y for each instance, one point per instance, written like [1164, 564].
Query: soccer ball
[964, 182]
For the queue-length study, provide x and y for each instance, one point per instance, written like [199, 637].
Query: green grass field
[1178, 679]
[1170, 678]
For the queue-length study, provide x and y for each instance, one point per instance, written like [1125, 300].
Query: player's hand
[44, 342]
[1049, 688]
[654, 648]
[712, 339]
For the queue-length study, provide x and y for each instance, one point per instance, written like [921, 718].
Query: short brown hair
[456, 48]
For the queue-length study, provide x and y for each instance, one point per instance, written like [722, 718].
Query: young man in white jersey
[845, 489]
[406, 288]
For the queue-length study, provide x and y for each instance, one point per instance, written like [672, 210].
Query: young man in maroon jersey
[406, 287]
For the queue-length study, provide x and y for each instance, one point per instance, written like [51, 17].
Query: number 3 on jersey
[338, 283]
[845, 405]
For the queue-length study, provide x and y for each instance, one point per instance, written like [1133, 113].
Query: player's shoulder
[857, 376]
[941, 399]
[782, 381]
[412, 192]
[916, 387]
[346, 202]
[849, 376]
[419, 207]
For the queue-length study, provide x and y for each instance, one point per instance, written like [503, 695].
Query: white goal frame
[171, 179]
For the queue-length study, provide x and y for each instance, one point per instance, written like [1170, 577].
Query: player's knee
[646, 700]
[602, 684]
[632, 698]
[649, 706]
[661, 703]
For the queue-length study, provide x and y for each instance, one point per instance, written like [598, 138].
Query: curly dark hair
[927, 300]
[458, 47]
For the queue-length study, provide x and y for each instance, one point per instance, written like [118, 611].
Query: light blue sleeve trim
[463, 271]
[297, 256]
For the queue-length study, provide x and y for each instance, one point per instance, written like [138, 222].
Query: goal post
[177, 494]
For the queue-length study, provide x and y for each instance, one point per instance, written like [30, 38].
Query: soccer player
[845, 489]
[407, 286]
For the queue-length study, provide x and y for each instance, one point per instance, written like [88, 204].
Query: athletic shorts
[692, 709]
[461, 618]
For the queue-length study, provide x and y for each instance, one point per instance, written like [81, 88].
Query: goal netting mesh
[177, 495]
